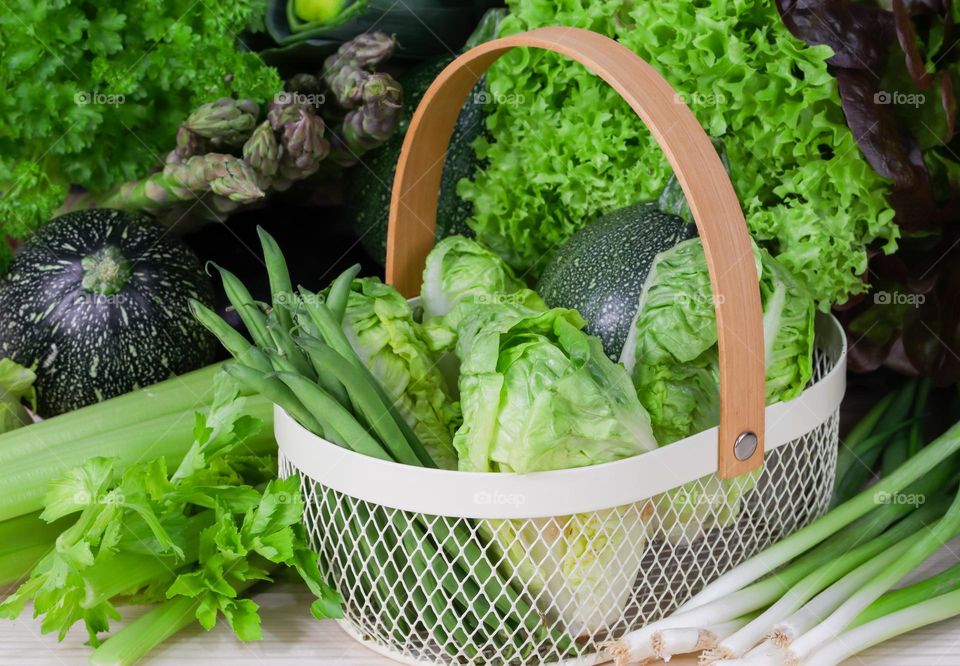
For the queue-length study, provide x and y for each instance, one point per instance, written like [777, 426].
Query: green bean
[229, 337]
[279, 362]
[339, 293]
[237, 345]
[334, 336]
[367, 402]
[463, 547]
[330, 330]
[328, 411]
[448, 622]
[281, 288]
[286, 346]
[379, 564]
[248, 310]
[444, 562]
[275, 390]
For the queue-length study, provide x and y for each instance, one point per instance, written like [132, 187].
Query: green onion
[856, 458]
[856, 567]
[883, 628]
[920, 549]
[803, 539]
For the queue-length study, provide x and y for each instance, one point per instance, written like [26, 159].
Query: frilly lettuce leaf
[566, 148]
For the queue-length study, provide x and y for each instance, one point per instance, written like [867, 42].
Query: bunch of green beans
[302, 360]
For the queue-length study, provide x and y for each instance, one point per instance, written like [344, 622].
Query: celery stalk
[182, 394]
[134, 641]
[138, 638]
[23, 542]
[25, 477]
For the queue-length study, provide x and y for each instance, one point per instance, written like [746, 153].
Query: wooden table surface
[292, 636]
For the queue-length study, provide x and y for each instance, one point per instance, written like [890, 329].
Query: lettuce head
[458, 268]
[539, 394]
[672, 354]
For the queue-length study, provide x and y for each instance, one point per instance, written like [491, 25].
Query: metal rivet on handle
[745, 446]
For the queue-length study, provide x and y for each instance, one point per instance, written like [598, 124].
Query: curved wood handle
[709, 192]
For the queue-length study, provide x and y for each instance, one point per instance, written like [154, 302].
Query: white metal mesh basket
[384, 533]
[446, 567]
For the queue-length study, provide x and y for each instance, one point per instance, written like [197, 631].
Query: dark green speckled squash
[601, 269]
[98, 301]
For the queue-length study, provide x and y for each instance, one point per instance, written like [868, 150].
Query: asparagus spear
[225, 122]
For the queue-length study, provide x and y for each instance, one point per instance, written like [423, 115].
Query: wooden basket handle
[697, 166]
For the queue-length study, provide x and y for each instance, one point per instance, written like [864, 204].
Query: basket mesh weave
[440, 590]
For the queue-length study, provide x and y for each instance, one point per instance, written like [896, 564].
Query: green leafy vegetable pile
[322, 365]
[566, 148]
[94, 91]
[896, 66]
[191, 539]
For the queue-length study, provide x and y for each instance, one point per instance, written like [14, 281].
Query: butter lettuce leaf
[380, 325]
[540, 394]
[673, 358]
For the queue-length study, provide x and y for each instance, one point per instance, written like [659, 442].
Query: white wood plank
[292, 636]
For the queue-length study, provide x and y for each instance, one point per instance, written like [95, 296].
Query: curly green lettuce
[94, 91]
[566, 148]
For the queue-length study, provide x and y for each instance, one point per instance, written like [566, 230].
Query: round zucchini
[97, 301]
[600, 271]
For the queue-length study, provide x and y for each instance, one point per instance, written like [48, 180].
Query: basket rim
[494, 495]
